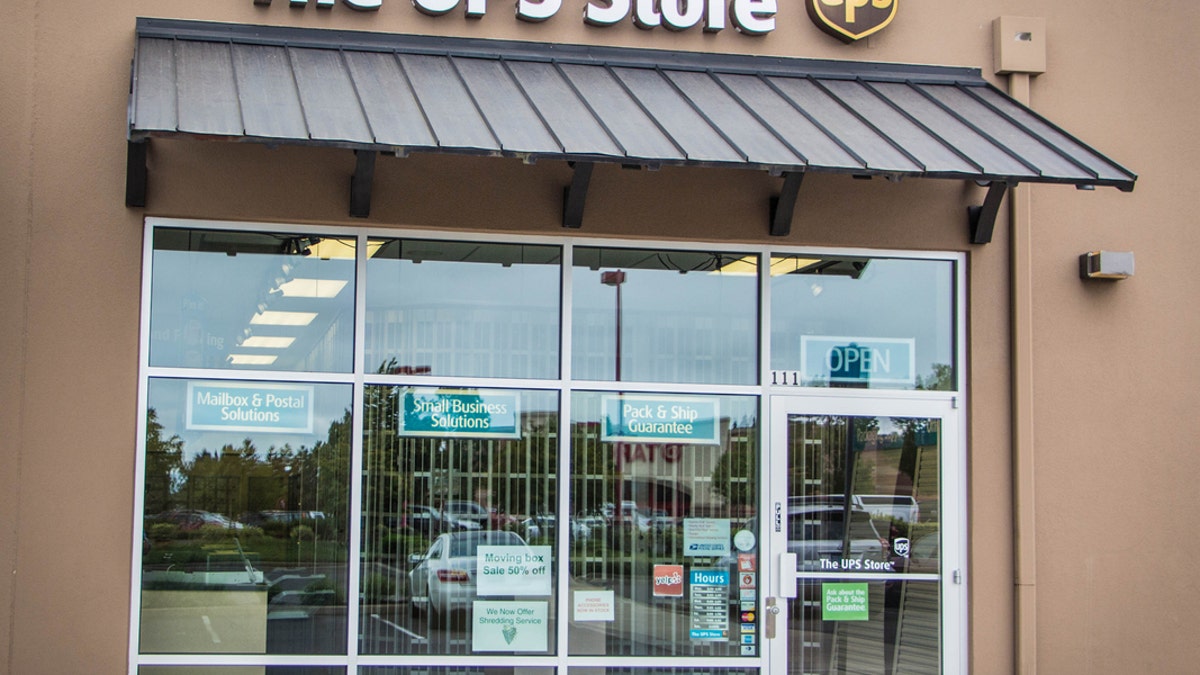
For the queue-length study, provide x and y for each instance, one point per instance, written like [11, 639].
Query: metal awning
[373, 92]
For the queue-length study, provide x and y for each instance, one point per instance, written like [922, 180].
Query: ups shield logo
[850, 20]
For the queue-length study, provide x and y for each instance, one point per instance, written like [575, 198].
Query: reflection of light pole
[615, 279]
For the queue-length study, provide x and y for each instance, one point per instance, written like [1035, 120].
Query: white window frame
[564, 384]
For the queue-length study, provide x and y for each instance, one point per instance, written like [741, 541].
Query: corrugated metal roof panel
[153, 105]
[578, 131]
[732, 115]
[513, 120]
[388, 100]
[208, 101]
[948, 125]
[674, 114]
[905, 134]
[845, 127]
[448, 106]
[490, 97]
[269, 101]
[630, 126]
[1092, 161]
[810, 142]
[328, 97]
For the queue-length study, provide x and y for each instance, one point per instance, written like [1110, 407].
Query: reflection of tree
[512, 475]
[942, 378]
[239, 480]
[735, 477]
[827, 450]
[164, 457]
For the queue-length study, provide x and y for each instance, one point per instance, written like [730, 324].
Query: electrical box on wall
[1106, 265]
[1019, 45]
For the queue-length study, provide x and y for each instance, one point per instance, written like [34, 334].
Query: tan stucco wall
[1115, 363]
[16, 81]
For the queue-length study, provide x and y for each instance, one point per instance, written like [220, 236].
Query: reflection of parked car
[900, 507]
[629, 516]
[194, 519]
[817, 535]
[474, 513]
[430, 522]
[585, 525]
[661, 520]
[260, 518]
[539, 526]
[443, 579]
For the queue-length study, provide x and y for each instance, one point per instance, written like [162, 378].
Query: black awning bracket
[361, 183]
[136, 173]
[783, 207]
[982, 219]
[575, 195]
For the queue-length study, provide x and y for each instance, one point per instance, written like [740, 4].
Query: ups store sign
[847, 20]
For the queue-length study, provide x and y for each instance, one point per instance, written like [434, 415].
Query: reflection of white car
[443, 579]
[818, 536]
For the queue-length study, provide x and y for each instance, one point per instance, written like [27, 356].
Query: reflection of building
[673, 477]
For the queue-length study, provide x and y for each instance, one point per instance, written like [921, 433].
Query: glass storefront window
[245, 518]
[240, 670]
[389, 501]
[664, 503]
[456, 670]
[460, 489]
[252, 301]
[880, 323]
[664, 316]
[864, 522]
[467, 309]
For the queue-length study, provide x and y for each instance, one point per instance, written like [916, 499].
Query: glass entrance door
[867, 535]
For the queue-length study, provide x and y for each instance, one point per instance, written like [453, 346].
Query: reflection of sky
[464, 318]
[204, 301]
[168, 398]
[910, 299]
[403, 283]
[695, 327]
[491, 320]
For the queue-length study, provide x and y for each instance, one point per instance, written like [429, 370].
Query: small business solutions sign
[847, 20]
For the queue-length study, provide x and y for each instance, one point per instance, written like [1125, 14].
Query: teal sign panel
[460, 413]
[858, 360]
[238, 406]
[661, 419]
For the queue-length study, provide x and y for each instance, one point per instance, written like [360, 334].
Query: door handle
[773, 611]
[787, 575]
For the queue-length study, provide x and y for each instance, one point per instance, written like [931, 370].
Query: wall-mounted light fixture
[1112, 265]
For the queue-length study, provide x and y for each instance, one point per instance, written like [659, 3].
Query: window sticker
[460, 413]
[844, 602]
[668, 581]
[238, 406]
[706, 537]
[595, 606]
[513, 570]
[510, 626]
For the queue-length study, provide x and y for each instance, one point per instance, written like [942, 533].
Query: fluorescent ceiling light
[312, 288]
[329, 248]
[779, 266]
[276, 318]
[268, 342]
[252, 359]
